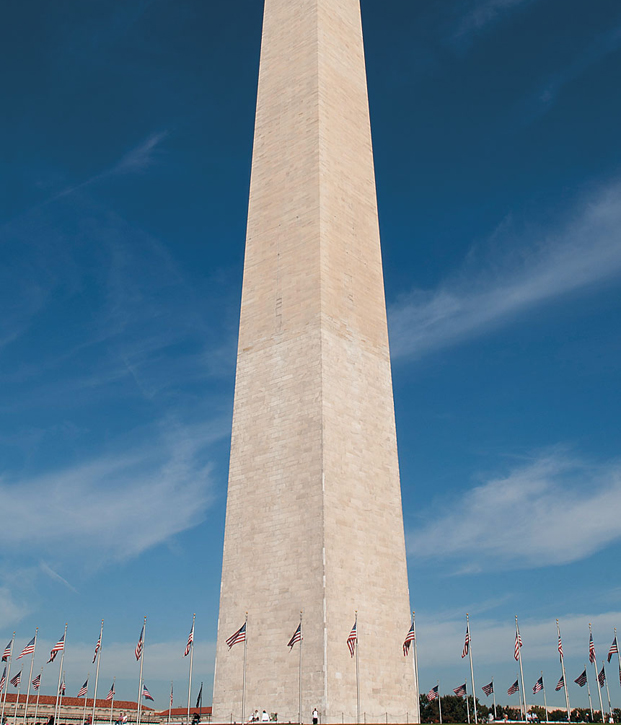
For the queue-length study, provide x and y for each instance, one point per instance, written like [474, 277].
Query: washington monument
[314, 522]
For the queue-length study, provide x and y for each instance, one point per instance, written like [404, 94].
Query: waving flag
[29, 648]
[62, 689]
[2, 680]
[145, 693]
[560, 684]
[17, 679]
[297, 637]
[83, 689]
[110, 695]
[58, 647]
[460, 691]
[602, 677]
[7, 651]
[581, 680]
[466, 648]
[239, 636]
[560, 646]
[97, 648]
[538, 686]
[488, 689]
[592, 657]
[36, 683]
[513, 689]
[171, 695]
[139, 646]
[614, 649]
[409, 638]
[188, 646]
[352, 639]
[199, 699]
[518, 644]
[433, 693]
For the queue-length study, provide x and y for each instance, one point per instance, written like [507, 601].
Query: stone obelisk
[314, 520]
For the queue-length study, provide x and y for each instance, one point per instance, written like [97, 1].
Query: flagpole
[357, 671]
[415, 665]
[191, 662]
[62, 692]
[439, 702]
[474, 702]
[545, 701]
[8, 675]
[112, 701]
[139, 706]
[38, 693]
[607, 691]
[19, 684]
[85, 701]
[30, 675]
[599, 689]
[300, 672]
[171, 699]
[98, 655]
[243, 717]
[467, 707]
[519, 649]
[494, 693]
[60, 673]
[558, 631]
[618, 656]
[589, 694]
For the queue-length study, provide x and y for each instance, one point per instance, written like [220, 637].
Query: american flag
[488, 689]
[602, 677]
[518, 644]
[460, 691]
[409, 638]
[58, 647]
[581, 680]
[352, 639]
[297, 637]
[145, 693]
[614, 649]
[466, 648]
[29, 648]
[36, 683]
[513, 689]
[17, 679]
[110, 695]
[97, 648]
[7, 651]
[560, 684]
[83, 689]
[538, 686]
[62, 689]
[432, 694]
[239, 636]
[592, 657]
[2, 680]
[139, 646]
[188, 646]
[171, 694]
[560, 646]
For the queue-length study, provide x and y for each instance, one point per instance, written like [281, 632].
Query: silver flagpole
[599, 689]
[519, 649]
[30, 675]
[8, 675]
[494, 693]
[60, 673]
[439, 702]
[618, 656]
[97, 657]
[62, 690]
[243, 717]
[566, 686]
[139, 706]
[85, 700]
[38, 693]
[607, 691]
[300, 672]
[191, 662]
[357, 671]
[474, 691]
[171, 698]
[17, 701]
[467, 707]
[589, 694]
[112, 701]
[415, 665]
[545, 701]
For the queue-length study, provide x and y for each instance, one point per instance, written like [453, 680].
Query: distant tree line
[455, 710]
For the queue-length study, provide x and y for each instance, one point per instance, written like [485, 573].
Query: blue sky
[126, 143]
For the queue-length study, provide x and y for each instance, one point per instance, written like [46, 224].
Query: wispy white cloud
[12, 610]
[114, 506]
[542, 265]
[564, 509]
[481, 14]
[55, 576]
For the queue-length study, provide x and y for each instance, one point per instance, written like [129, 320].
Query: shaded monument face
[314, 520]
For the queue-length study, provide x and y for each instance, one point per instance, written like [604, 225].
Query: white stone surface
[314, 518]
